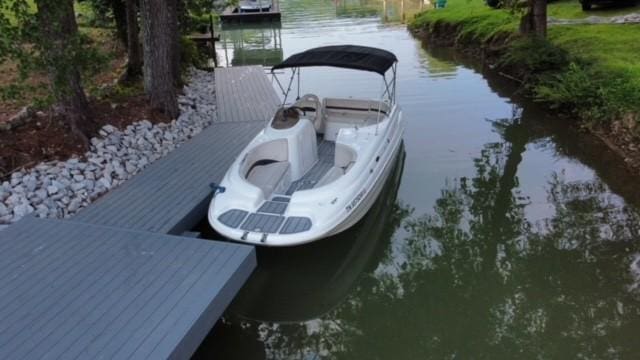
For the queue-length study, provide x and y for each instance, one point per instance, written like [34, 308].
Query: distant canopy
[344, 56]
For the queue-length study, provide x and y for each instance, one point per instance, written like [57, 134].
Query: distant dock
[233, 14]
[125, 278]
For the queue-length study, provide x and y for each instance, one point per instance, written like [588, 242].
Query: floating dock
[232, 14]
[124, 278]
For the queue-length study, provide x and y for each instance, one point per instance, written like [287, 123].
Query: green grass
[590, 70]
[613, 48]
[477, 19]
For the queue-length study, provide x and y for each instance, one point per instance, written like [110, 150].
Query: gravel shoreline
[59, 189]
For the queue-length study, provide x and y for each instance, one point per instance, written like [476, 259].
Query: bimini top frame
[343, 56]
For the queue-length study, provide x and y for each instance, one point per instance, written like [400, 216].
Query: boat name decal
[356, 200]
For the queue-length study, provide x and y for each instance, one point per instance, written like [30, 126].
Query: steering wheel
[299, 109]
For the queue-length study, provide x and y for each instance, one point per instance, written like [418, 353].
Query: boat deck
[269, 218]
[326, 153]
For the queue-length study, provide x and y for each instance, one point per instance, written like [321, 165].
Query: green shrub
[191, 55]
[535, 56]
[590, 93]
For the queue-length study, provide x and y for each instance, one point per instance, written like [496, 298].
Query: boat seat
[312, 101]
[267, 177]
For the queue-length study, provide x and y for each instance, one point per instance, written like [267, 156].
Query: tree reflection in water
[476, 279]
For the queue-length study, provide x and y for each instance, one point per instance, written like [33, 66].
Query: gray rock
[74, 205]
[89, 184]
[15, 199]
[41, 193]
[30, 182]
[4, 211]
[75, 187]
[51, 189]
[107, 129]
[130, 168]
[57, 196]
[42, 210]
[105, 182]
[59, 184]
[21, 210]
[96, 160]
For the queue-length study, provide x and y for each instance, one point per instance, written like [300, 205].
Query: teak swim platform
[122, 279]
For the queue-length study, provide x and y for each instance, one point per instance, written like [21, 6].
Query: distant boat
[319, 165]
[255, 5]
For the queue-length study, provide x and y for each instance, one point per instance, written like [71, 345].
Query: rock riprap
[58, 189]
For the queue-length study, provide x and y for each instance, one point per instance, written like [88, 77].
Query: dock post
[213, 42]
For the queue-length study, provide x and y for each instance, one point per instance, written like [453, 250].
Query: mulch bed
[49, 137]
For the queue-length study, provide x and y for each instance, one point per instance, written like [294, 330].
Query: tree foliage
[22, 43]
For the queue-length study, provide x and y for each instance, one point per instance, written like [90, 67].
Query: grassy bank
[590, 71]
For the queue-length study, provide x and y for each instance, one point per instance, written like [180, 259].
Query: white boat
[255, 5]
[319, 164]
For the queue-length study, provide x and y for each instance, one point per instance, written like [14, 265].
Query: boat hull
[330, 209]
[369, 199]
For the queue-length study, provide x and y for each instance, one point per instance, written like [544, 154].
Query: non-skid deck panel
[172, 194]
[273, 207]
[244, 93]
[263, 223]
[326, 150]
[296, 224]
[233, 218]
[79, 291]
[326, 154]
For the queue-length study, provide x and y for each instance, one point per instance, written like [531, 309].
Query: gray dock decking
[82, 291]
[111, 282]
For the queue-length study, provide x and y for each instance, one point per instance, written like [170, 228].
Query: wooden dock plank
[144, 294]
[244, 93]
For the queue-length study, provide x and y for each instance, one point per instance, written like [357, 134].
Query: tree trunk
[540, 17]
[120, 16]
[534, 22]
[159, 47]
[175, 42]
[60, 43]
[134, 64]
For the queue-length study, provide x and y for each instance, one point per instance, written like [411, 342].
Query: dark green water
[501, 234]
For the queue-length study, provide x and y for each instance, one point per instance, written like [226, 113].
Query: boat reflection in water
[299, 284]
[250, 44]
[304, 282]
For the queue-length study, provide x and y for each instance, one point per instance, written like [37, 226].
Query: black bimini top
[344, 56]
